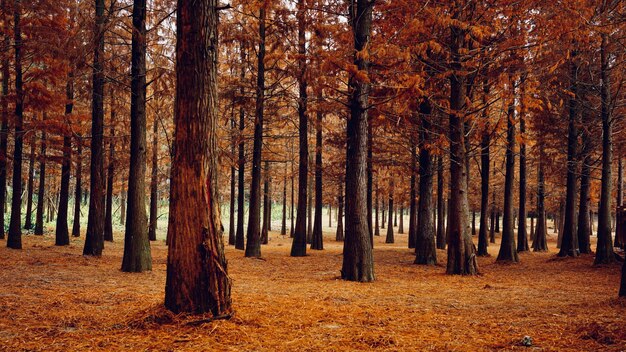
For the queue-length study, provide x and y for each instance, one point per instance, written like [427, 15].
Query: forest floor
[52, 298]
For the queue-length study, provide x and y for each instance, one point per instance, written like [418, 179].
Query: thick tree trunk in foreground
[14, 239]
[298, 246]
[569, 240]
[4, 116]
[508, 252]
[94, 240]
[62, 231]
[197, 279]
[253, 245]
[604, 249]
[425, 248]
[108, 211]
[28, 222]
[358, 261]
[461, 250]
[79, 187]
[154, 183]
[137, 255]
[390, 238]
[41, 191]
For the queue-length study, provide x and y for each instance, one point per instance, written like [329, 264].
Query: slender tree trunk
[569, 239]
[370, 179]
[283, 227]
[390, 238]
[317, 240]
[298, 246]
[461, 250]
[340, 205]
[137, 254]
[540, 242]
[28, 223]
[154, 185]
[330, 215]
[79, 187]
[108, 217]
[401, 221]
[291, 209]
[197, 277]
[94, 240]
[309, 231]
[62, 237]
[253, 245]
[123, 204]
[4, 116]
[619, 236]
[41, 195]
[383, 217]
[584, 226]
[604, 249]
[14, 239]
[358, 261]
[522, 233]
[441, 231]
[483, 241]
[266, 204]
[508, 251]
[241, 161]
[412, 203]
[425, 247]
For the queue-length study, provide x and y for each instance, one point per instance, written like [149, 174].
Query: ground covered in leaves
[53, 298]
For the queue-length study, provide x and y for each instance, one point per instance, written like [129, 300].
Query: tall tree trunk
[154, 184]
[266, 204]
[14, 239]
[292, 198]
[4, 116]
[376, 209]
[94, 240]
[619, 240]
[604, 249]
[569, 239]
[441, 231]
[137, 255]
[41, 195]
[283, 226]
[79, 187]
[522, 233]
[108, 210]
[317, 240]
[253, 245]
[28, 223]
[358, 261]
[508, 252]
[461, 250]
[383, 217]
[298, 246]
[197, 278]
[584, 220]
[390, 238]
[401, 221]
[370, 179]
[241, 160]
[483, 241]
[412, 203]
[425, 248]
[540, 242]
[62, 237]
[339, 235]
[309, 231]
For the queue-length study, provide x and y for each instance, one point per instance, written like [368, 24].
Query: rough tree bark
[197, 279]
[4, 115]
[154, 184]
[584, 220]
[483, 241]
[508, 252]
[108, 208]
[241, 160]
[604, 249]
[317, 240]
[522, 233]
[540, 242]
[412, 203]
[79, 187]
[253, 245]
[441, 231]
[28, 222]
[425, 248]
[62, 236]
[390, 238]
[14, 239]
[41, 191]
[358, 262]
[137, 255]
[94, 239]
[298, 246]
[339, 235]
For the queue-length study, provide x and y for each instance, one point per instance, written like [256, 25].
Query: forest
[312, 175]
